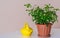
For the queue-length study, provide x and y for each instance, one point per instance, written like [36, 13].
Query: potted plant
[44, 17]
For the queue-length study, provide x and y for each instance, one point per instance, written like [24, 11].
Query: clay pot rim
[43, 24]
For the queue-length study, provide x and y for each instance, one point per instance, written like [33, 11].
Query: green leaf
[28, 5]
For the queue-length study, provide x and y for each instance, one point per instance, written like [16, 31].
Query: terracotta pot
[43, 30]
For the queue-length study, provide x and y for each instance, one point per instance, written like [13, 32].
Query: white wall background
[13, 14]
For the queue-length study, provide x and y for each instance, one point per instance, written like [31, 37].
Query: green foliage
[44, 15]
[28, 5]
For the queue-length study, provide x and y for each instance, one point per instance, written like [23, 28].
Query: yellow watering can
[26, 30]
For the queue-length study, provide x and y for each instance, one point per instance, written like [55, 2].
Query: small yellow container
[26, 30]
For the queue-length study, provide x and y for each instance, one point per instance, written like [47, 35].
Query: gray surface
[55, 33]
